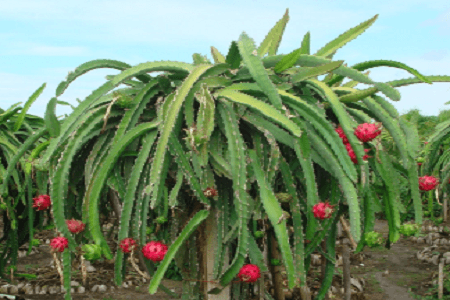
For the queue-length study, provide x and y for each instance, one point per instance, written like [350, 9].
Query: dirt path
[405, 272]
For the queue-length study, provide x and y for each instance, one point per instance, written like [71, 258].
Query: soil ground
[406, 273]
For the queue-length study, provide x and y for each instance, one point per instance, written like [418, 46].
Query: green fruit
[283, 197]
[275, 262]
[258, 234]
[161, 220]
[35, 242]
[92, 251]
[123, 101]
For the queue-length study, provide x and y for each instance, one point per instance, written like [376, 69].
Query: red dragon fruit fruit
[59, 244]
[427, 183]
[352, 154]
[75, 226]
[155, 251]
[210, 192]
[342, 135]
[323, 210]
[42, 202]
[127, 245]
[249, 273]
[367, 132]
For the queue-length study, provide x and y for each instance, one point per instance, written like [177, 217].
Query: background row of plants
[259, 130]
[432, 135]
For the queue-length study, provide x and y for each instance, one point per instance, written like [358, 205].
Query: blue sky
[41, 41]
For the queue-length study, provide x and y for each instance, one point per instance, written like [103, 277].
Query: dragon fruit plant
[231, 125]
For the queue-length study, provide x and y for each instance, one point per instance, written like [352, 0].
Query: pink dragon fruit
[367, 132]
[59, 244]
[155, 251]
[42, 202]
[352, 154]
[127, 245]
[210, 192]
[427, 183]
[249, 273]
[323, 210]
[75, 226]
[342, 135]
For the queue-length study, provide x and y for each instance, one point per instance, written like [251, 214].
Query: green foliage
[409, 229]
[275, 262]
[373, 239]
[259, 129]
[91, 252]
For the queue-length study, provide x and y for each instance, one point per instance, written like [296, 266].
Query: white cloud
[436, 55]
[442, 22]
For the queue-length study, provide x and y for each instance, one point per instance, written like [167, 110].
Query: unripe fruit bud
[258, 234]
[275, 262]
[161, 220]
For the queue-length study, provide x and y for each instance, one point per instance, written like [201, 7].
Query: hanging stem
[430, 205]
[83, 269]
[347, 230]
[133, 263]
[58, 267]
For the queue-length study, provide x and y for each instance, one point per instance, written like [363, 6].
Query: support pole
[346, 272]
[441, 278]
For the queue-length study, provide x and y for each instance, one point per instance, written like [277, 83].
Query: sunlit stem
[83, 269]
[58, 267]
[133, 263]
